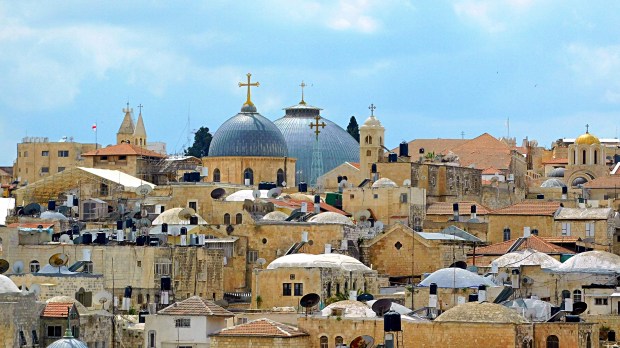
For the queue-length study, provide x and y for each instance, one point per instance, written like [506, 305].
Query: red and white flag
[94, 127]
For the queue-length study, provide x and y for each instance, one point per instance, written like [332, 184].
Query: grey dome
[557, 173]
[248, 134]
[336, 145]
[68, 342]
[553, 183]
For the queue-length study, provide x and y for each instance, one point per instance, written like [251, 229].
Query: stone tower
[372, 134]
[125, 132]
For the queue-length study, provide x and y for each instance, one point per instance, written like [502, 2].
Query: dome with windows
[335, 144]
[587, 139]
[372, 121]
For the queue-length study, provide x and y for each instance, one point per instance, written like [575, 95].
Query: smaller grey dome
[553, 183]
[68, 342]
[557, 173]
[275, 216]
[330, 217]
[579, 181]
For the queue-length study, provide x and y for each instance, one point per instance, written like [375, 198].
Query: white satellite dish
[407, 182]
[379, 225]
[260, 261]
[343, 183]
[362, 215]
[103, 297]
[274, 192]
[18, 267]
[144, 190]
[65, 239]
[35, 289]
[283, 183]
[256, 194]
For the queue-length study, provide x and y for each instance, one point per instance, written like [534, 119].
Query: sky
[433, 69]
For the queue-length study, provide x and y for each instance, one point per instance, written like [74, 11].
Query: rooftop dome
[248, 134]
[351, 309]
[453, 278]
[557, 173]
[474, 312]
[7, 285]
[344, 262]
[526, 257]
[587, 139]
[553, 183]
[579, 181]
[52, 215]
[384, 182]
[171, 217]
[302, 197]
[595, 261]
[336, 145]
[329, 217]
[275, 216]
[68, 341]
[372, 121]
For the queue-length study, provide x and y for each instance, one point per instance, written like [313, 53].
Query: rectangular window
[601, 302]
[25, 153]
[286, 289]
[45, 153]
[182, 322]
[252, 256]
[589, 229]
[193, 205]
[122, 158]
[299, 289]
[104, 158]
[61, 169]
[54, 331]
[45, 170]
[403, 198]
[152, 339]
[163, 268]
[375, 196]
[63, 153]
[566, 228]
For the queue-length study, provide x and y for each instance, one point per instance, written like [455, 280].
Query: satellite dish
[309, 300]
[32, 209]
[35, 289]
[379, 225]
[381, 306]
[144, 190]
[102, 297]
[365, 297]
[4, 266]
[218, 193]
[283, 183]
[186, 213]
[274, 192]
[65, 239]
[260, 261]
[579, 307]
[407, 182]
[229, 229]
[362, 342]
[58, 260]
[18, 267]
[362, 215]
[256, 194]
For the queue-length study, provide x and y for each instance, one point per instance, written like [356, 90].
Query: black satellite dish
[381, 306]
[309, 300]
[230, 229]
[4, 266]
[362, 342]
[32, 209]
[218, 193]
[579, 307]
[365, 297]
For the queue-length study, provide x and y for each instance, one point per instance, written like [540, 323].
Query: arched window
[565, 294]
[506, 234]
[151, 339]
[369, 140]
[583, 160]
[280, 177]
[577, 296]
[226, 219]
[84, 297]
[324, 342]
[238, 218]
[595, 157]
[34, 266]
[368, 153]
[140, 298]
[588, 340]
[339, 341]
[248, 173]
[216, 175]
[553, 341]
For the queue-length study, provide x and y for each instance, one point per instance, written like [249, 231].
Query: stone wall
[259, 342]
[18, 312]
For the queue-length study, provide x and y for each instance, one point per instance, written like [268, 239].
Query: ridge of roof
[197, 306]
[262, 327]
[123, 149]
[532, 242]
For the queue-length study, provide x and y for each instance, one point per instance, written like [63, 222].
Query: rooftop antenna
[462, 135]
[303, 85]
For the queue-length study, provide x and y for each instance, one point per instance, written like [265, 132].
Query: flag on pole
[94, 127]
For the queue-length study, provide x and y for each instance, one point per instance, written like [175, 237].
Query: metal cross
[372, 108]
[140, 107]
[302, 92]
[587, 127]
[249, 84]
[317, 125]
[127, 109]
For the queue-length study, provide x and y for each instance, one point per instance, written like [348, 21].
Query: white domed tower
[372, 135]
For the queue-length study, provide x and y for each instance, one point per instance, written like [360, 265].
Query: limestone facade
[231, 169]
[259, 342]
[19, 314]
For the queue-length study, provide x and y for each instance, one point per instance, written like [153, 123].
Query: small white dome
[330, 217]
[7, 285]
[595, 261]
[527, 257]
[384, 182]
[344, 262]
[275, 216]
[453, 278]
[351, 309]
[52, 215]
[171, 217]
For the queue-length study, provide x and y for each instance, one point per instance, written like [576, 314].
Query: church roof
[604, 182]
[534, 242]
[123, 150]
[127, 126]
[438, 146]
[483, 152]
[195, 306]
[587, 139]
[529, 208]
[248, 134]
[372, 121]
[140, 130]
[474, 312]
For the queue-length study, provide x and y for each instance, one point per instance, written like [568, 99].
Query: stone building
[510, 222]
[597, 228]
[128, 158]
[260, 333]
[19, 317]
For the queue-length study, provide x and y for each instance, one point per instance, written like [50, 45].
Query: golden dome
[587, 139]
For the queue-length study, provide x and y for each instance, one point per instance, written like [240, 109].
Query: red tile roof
[30, 225]
[604, 182]
[445, 208]
[196, 306]
[533, 242]
[123, 150]
[484, 151]
[529, 208]
[491, 171]
[56, 309]
[262, 328]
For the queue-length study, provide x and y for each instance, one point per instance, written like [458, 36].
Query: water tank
[564, 190]
[87, 238]
[611, 335]
[433, 289]
[573, 319]
[540, 196]
[317, 199]
[128, 223]
[119, 225]
[303, 187]
[403, 149]
[373, 168]
[473, 298]
[51, 205]
[184, 231]
[127, 292]
[141, 315]
[101, 238]
[75, 201]
[339, 178]
[391, 321]
[140, 240]
[165, 283]
[392, 157]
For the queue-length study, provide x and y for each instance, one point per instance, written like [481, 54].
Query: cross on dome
[249, 84]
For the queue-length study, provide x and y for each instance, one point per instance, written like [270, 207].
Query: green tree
[202, 141]
[354, 129]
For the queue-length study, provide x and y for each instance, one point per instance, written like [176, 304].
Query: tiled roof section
[123, 150]
[560, 239]
[604, 182]
[556, 161]
[491, 171]
[445, 208]
[355, 164]
[196, 306]
[262, 328]
[533, 242]
[529, 208]
[5, 172]
[56, 309]
[32, 225]
[438, 146]
[484, 151]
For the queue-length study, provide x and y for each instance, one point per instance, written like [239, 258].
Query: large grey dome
[248, 134]
[336, 145]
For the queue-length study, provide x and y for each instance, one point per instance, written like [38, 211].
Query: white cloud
[597, 67]
[492, 15]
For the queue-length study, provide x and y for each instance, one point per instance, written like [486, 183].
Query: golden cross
[302, 93]
[317, 125]
[255, 84]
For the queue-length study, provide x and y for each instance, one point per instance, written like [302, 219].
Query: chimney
[432, 297]
[564, 193]
[317, 204]
[526, 232]
[482, 293]
[328, 248]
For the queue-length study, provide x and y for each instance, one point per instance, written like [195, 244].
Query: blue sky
[433, 68]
